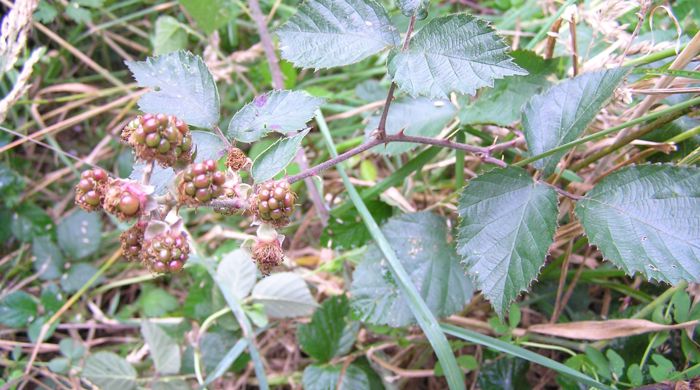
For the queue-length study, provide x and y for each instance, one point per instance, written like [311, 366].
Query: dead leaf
[605, 330]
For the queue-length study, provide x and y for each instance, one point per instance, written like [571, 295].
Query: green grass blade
[513, 350]
[246, 327]
[227, 361]
[425, 318]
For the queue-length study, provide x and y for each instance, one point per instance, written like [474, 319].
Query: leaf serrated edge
[623, 266]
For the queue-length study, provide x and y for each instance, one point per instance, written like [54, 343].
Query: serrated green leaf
[17, 309]
[59, 365]
[169, 35]
[183, 86]
[329, 334]
[417, 117]
[71, 349]
[210, 15]
[562, 113]
[417, 7]
[226, 361]
[109, 371]
[48, 260]
[80, 234]
[347, 231]
[77, 276]
[156, 302]
[77, 13]
[504, 374]
[646, 219]
[237, 272]
[29, 221]
[502, 104]
[208, 146]
[284, 295]
[325, 377]
[275, 158]
[508, 223]
[279, 110]
[328, 33]
[420, 243]
[45, 12]
[215, 346]
[51, 298]
[452, 53]
[163, 349]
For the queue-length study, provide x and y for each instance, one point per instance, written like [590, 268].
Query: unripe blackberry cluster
[132, 241]
[166, 252]
[236, 159]
[159, 137]
[236, 205]
[124, 199]
[267, 254]
[200, 183]
[90, 190]
[273, 202]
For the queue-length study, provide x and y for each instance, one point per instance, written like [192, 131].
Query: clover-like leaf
[646, 219]
[328, 33]
[564, 111]
[457, 53]
[420, 243]
[508, 223]
[280, 111]
[182, 86]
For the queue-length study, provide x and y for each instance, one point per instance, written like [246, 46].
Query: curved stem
[381, 128]
[483, 152]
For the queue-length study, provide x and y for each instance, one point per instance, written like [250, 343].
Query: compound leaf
[452, 53]
[502, 104]
[508, 223]
[646, 219]
[109, 371]
[328, 33]
[420, 243]
[284, 295]
[275, 158]
[80, 234]
[164, 350]
[564, 111]
[280, 111]
[326, 377]
[182, 86]
[237, 272]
